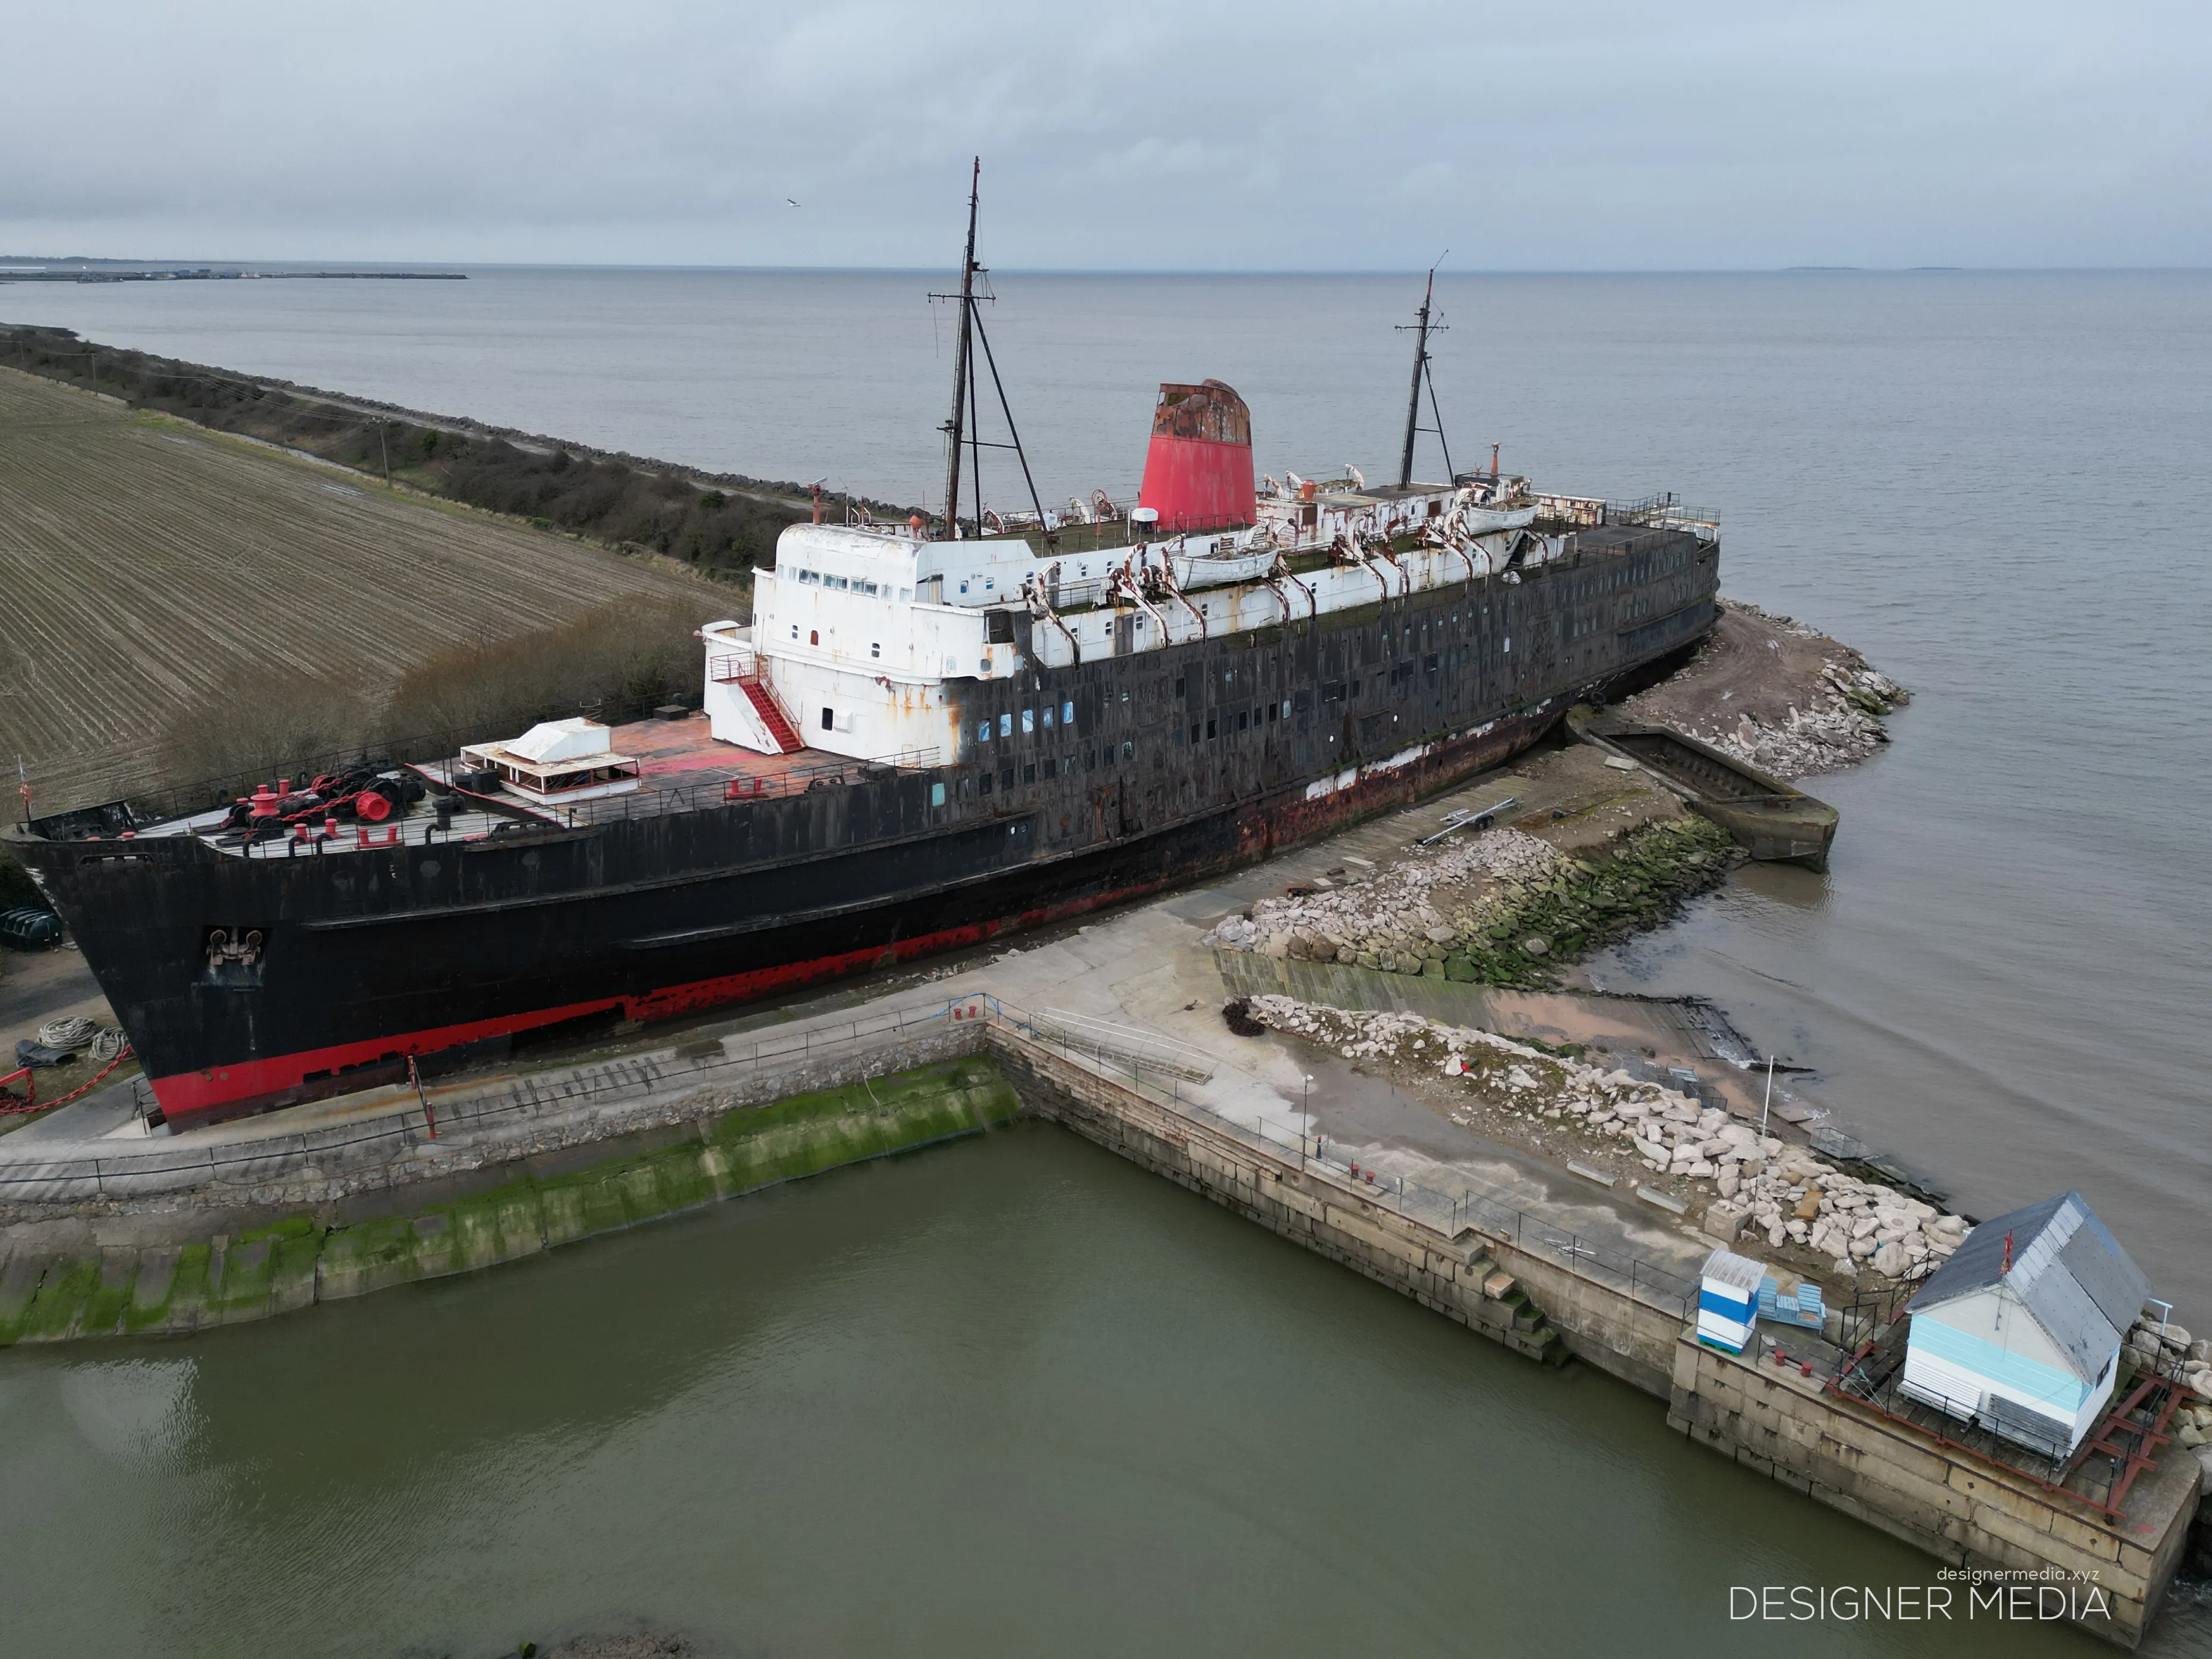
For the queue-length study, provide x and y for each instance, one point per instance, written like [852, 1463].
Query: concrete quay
[1114, 1031]
[2006, 1532]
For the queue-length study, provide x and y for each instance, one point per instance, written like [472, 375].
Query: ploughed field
[143, 560]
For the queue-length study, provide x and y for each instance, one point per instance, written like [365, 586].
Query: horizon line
[51, 261]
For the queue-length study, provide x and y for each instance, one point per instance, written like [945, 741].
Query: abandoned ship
[924, 734]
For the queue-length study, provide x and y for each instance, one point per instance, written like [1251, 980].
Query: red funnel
[1198, 473]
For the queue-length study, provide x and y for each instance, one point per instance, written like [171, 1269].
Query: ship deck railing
[684, 769]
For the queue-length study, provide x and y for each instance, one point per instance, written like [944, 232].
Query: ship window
[1068, 714]
[1006, 779]
[876, 649]
[937, 795]
[829, 719]
[794, 630]
[1178, 685]
[1509, 644]
[809, 578]
[983, 784]
[1090, 760]
[838, 582]
[1006, 726]
[1244, 720]
[1286, 710]
[814, 637]
[1193, 731]
[1274, 713]
[982, 730]
[1209, 728]
[1029, 721]
[1128, 750]
[1029, 774]
[906, 593]
[1048, 718]
[1429, 662]
[1332, 692]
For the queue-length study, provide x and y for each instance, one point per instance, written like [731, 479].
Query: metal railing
[1164, 1074]
[722, 790]
[158, 805]
[1660, 513]
[421, 1123]
[1873, 1374]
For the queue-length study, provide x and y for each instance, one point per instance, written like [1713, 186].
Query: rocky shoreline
[1776, 694]
[1502, 907]
[1565, 1107]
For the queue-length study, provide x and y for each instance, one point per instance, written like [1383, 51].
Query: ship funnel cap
[1197, 471]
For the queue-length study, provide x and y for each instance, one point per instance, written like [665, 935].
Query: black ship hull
[1186, 762]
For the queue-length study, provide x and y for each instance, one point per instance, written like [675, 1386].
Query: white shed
[1728, 1299]
[2021, 1330]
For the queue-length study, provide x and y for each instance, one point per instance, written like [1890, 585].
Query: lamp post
[1305, 1114]
[1769, 1106]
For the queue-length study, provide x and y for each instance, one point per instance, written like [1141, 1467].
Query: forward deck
[681, 767]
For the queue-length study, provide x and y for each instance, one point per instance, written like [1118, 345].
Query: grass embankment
[292, 1262]
[723, 527]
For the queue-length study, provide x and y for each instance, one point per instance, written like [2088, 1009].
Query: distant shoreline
[107, 273]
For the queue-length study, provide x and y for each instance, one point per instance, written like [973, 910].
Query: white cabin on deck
[852, 645]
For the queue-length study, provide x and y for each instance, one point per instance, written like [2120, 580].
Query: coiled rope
[71, 1033]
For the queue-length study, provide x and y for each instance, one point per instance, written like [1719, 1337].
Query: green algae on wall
[294, 1261]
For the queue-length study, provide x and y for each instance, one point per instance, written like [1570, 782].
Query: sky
[1145, 135]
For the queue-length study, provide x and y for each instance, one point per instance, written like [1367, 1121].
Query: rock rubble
[1833, 718]
[1499, 907]
[1782, 1191]
[2169, 1350]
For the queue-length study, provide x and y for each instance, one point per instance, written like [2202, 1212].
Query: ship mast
[1422, 329]
[962, 429]
[964, 371]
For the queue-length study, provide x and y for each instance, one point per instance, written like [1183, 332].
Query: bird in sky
[789, 202]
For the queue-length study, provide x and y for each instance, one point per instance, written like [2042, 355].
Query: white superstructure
[859, 631]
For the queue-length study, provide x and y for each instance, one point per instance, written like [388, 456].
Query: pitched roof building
[2021, 1330]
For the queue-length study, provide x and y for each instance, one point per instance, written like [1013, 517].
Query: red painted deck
[681, 767]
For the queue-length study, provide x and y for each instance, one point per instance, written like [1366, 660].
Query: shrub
[261, 721]
[612, 663]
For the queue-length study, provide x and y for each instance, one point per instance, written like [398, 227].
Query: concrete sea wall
[2016, 1535]
[274, 1264]
[1995, 1522]
[697, 1148]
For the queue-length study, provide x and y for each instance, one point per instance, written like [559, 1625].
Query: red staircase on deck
[771, 716]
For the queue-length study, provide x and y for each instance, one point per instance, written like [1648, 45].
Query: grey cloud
[1299, 136]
